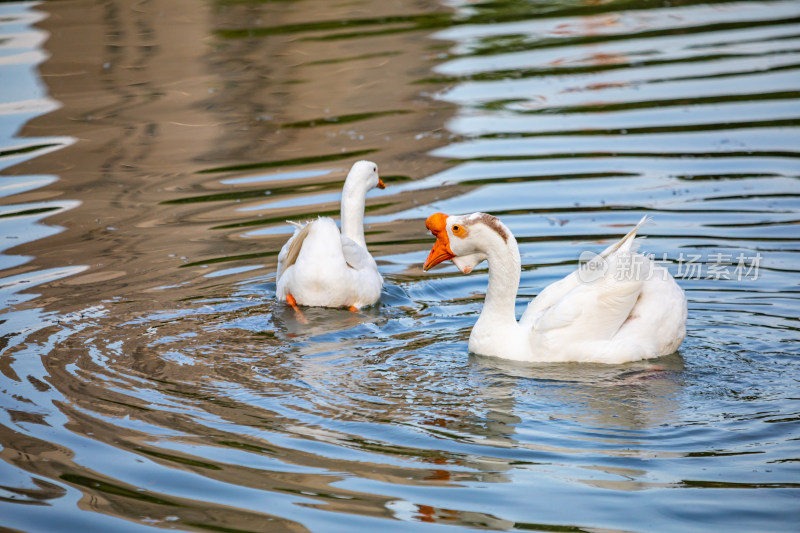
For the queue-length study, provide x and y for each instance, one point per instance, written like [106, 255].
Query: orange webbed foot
[297, 312]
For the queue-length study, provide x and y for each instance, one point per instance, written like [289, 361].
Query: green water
[151, 153]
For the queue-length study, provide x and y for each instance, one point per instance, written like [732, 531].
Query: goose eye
[459, 230]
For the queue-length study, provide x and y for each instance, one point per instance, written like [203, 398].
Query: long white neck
[497, 332]
[352, 212]
[504, 272]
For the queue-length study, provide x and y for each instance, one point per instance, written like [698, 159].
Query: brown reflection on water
[160, 97]
[192, 411]
[158, 102]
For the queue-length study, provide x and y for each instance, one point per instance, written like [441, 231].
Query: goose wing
[356, 256]
[591, 307]
[288, 255]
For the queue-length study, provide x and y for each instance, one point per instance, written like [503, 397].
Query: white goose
[616, 308]
[319, 266]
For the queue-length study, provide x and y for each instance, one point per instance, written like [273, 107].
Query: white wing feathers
[596, 309]
[356, 257]
[627, 242]
[291, 249]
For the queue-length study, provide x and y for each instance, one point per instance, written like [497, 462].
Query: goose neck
[504, 273]
[352, 212]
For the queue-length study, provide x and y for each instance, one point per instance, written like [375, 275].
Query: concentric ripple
[149, 379]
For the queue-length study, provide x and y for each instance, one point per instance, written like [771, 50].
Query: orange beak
[381, 184]
[437, 223]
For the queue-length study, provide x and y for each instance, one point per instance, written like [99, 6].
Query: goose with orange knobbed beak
[320, 266]
[617, 307]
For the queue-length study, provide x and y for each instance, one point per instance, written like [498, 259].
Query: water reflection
[149, 378]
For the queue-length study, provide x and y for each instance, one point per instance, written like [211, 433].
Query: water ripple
[150, 379]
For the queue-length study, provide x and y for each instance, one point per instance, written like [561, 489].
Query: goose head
[466, 239]
[363, 176]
